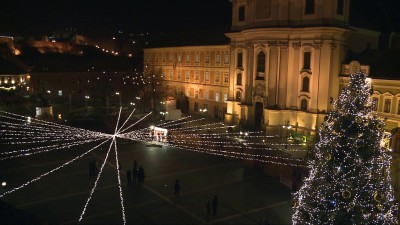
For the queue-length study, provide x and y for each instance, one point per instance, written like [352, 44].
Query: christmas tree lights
[349, 180]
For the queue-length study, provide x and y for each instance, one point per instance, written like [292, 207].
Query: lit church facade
[286, 62]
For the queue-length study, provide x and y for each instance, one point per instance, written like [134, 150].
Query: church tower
[285, 61]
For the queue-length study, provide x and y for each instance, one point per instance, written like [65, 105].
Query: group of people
[136, 175]
[93, 168]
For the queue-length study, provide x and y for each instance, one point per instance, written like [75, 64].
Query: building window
[241, 13]
[207, 58]
[187, 58]
[216, 112]
[375, 103]
[179, 90]
[218, 59]
[226, 77]
[196, 94]
[171, 74]
[398, 107]
[225, 97]
[239, 60]
[238, 96]
[387, 106]
[207, 76]
[179, 75]
[217, 77]
[303, 105]
[205, 94]
[187, 78]
[306, 84]
[171, 57]
[196, 107]
[217, 96]
[310, 4]
[226, 59]
[196, 77]
[197, 58]
[307, 61]
[340, 7]
[260, 66]
[179, 58]
[239, 79]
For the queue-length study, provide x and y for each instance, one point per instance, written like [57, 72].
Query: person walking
[129, 176]
[208, 208]
[177, 188]
[135, 171]
[141, 174]
[215, 205]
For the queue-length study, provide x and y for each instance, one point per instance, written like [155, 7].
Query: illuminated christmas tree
[349, 180]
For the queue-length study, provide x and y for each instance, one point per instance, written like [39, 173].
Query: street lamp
[118, 94]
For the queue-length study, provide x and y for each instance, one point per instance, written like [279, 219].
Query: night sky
[105, 17]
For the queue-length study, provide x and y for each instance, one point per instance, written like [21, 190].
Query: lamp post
[119, 96]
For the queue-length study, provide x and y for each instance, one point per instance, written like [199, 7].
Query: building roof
[384, 63]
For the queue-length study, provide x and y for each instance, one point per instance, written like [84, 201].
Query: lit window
[217, 77]
[205, 94]
[179, 75]
[217, 97]
[225, 97]
[187, 78]
[207, 76]
[387, 106]
[226, 77]
[179, 58]
[226, 59]
[187, 57]
[196, 77]
[218, 59]
[197, 58]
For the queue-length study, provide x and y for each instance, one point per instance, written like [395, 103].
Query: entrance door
[258, 115]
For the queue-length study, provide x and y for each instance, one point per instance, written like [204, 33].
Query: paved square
[246, 195]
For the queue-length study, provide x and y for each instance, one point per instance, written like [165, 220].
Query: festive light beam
[53, 170]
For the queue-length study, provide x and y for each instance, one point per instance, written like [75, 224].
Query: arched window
[260, 65]
[239, 79]
[238, 96]
[306, 84]
[303, 105]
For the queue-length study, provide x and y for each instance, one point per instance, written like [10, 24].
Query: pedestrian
[215, 205]
[129, 176]
[135, 171]
[266, 222]
[177, 188]
[141, 174]
[208, 207]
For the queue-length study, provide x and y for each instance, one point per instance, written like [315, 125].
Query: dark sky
[105, 16]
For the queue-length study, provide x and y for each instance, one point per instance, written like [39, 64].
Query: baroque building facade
[287, 62]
